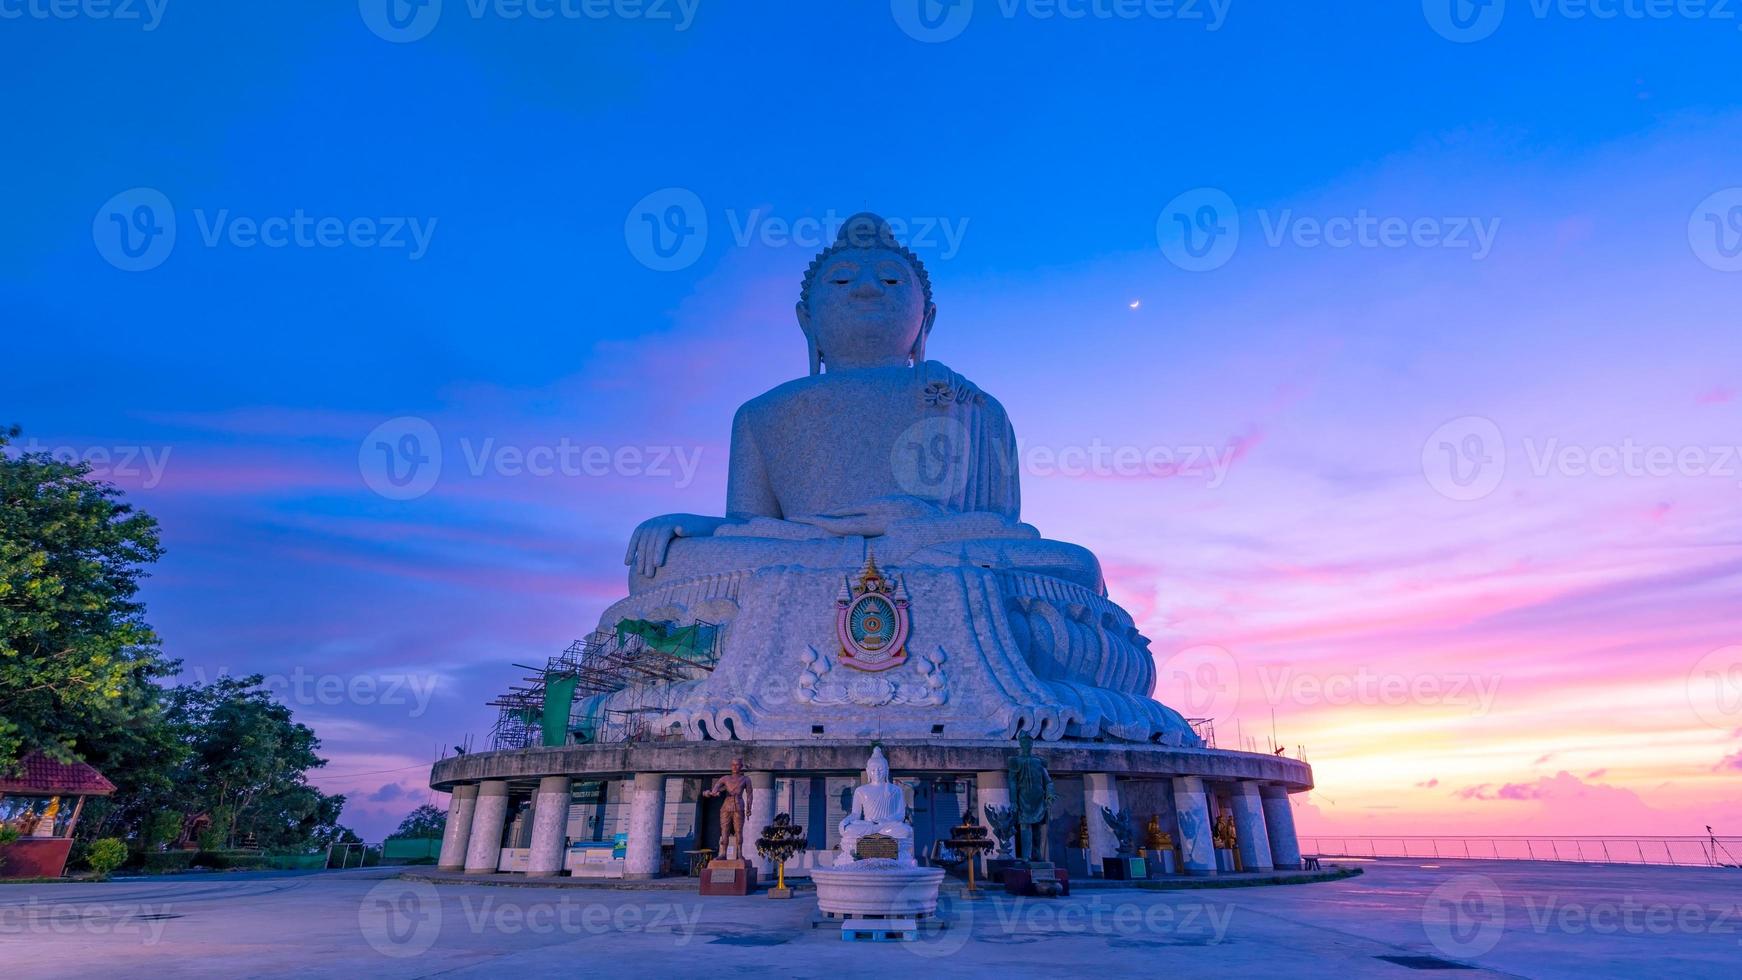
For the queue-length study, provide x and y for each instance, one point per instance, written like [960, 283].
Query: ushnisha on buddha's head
[866, 300]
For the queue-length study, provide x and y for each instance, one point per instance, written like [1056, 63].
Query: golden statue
[1223, 833]
[1154, 838]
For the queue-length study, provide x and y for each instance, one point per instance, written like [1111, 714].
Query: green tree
[425, 821]
[246, 764]
[77, 658]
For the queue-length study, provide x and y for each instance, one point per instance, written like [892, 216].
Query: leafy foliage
[105, 856]
[76, 654]
[426, 821]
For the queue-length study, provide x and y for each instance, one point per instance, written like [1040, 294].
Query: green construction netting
[559, 696]
[692, 642]
[586, 729]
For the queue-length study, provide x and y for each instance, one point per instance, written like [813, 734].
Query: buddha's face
[866, 309]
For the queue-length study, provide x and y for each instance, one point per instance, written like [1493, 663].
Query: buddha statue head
[877, 768]
[866, 300]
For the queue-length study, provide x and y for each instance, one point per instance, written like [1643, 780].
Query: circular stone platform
[845, 757]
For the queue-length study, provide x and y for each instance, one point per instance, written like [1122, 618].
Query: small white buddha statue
[879, 807]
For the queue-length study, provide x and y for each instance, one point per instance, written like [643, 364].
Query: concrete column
[1100, 790]
[550, 828]
[646, 826]
[458, 830]
[1279, 820]
[992, 789]
[1192, 808]
[484, 847]
[1250, 829]
[762, 803]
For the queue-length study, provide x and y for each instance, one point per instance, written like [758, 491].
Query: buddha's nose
[868, 287]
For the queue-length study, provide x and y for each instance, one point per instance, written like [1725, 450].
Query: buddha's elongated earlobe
[810, 338]
[918, 352]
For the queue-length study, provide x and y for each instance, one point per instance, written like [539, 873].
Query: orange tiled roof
[39, 774]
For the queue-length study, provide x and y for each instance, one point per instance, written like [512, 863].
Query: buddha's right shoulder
[772, 400]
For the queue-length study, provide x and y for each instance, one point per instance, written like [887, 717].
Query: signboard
[619, 845]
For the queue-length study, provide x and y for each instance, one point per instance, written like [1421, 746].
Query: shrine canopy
[40, 802]
[39, 775]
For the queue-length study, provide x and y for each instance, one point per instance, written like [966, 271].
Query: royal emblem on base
[871, 619]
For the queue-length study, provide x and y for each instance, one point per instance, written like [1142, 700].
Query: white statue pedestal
[877, 887]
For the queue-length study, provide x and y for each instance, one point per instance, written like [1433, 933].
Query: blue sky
[526, 149]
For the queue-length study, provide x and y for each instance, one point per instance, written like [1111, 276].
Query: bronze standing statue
[1031, 794]
[740, 801]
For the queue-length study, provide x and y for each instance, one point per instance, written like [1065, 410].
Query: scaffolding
[638, 658]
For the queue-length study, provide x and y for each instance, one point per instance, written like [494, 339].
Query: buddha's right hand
[648, 545]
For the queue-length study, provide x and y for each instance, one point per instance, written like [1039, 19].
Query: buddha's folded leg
[1058, 559]
[691, 557]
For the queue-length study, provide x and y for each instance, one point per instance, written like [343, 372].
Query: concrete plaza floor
[1503, 918]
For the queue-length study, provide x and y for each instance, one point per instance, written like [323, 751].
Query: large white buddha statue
[877, 443]
[872, 576]
[879, 807]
